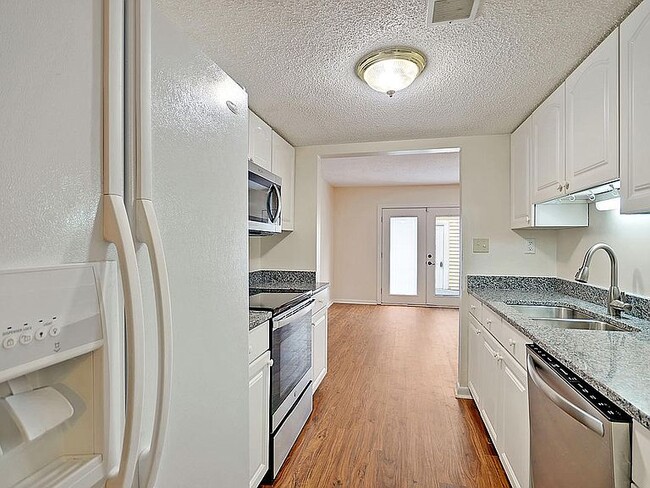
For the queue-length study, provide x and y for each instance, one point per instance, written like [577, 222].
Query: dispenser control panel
[47, 316]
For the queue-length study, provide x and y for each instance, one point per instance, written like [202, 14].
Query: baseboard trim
[463, 392]
[355, 302]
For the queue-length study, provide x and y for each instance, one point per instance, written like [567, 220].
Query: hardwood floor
[385, 415]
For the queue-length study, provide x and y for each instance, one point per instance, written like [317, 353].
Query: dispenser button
[9, 342]
[41, 334]
[26, 338]
[55, 330]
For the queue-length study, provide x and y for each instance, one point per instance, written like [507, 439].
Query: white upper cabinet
[592, 118]
[635, 111]
[284, 165]
[548, 153]
[260, 144]
[521, 215]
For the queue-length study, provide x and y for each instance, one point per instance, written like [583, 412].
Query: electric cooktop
[276, 302]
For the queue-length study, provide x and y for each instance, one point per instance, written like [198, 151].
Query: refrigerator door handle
[148, 232]
[118, 231]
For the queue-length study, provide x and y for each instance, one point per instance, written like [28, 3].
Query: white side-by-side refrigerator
[123, 218]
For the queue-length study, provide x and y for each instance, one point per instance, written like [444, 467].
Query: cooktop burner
[276, 302]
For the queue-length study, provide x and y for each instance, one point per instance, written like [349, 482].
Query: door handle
[578, 414]
[118, 231]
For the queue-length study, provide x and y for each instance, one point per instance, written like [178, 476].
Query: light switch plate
[481, 245]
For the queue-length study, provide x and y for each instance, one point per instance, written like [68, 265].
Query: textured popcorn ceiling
[296, 59]
[390, 170]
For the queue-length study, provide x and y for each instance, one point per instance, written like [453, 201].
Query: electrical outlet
[531, 248]
[481, 245]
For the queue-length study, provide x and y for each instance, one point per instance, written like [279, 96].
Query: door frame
[442, 301]
[380, 208]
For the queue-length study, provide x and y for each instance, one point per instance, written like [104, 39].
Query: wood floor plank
[385, 415]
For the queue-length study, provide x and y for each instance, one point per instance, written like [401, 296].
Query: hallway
[385, 415]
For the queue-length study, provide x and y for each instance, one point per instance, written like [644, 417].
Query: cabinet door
[521, 214]
[319, 347]
[259, 411]
[515, 436]
[635, 111]
[284, 165]
[474, 367]
[259, 141]
[491, 382]
[592, 118]
[548, 160]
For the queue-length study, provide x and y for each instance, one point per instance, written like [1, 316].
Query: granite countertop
[615, 363]
[271, 281]
[256, 318]
[290, 287]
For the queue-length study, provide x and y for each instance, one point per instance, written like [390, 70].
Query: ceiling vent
[449, 11]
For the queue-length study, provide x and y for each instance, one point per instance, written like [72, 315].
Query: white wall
[355, 232]
[325, 230]
[485, 163]
[293, 250]
[629, 235]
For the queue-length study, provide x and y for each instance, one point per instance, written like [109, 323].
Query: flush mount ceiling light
[391, 70]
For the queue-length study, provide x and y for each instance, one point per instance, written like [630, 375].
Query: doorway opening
[420, 250]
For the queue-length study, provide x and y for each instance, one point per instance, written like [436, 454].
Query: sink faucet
[616, 303]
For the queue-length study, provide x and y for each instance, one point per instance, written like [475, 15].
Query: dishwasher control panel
[605, 406]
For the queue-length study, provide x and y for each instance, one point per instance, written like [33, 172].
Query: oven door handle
[589, 421]
[293, 315]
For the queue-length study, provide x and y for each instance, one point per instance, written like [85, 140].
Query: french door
[420, 256]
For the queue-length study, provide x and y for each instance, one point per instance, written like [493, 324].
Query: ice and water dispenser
[61, 390]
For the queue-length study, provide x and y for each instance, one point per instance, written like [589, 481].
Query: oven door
[291, 353]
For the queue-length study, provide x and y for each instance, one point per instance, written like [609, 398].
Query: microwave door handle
[589, 421]
[273, 215]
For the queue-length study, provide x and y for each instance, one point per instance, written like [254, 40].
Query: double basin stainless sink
[565, 318]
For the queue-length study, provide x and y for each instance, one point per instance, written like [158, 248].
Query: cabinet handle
[566, 185]
[477, 332]
[511, 342]
[270, 362]
[560, 187]
[527, 219]
[488, 322]
[472, 307]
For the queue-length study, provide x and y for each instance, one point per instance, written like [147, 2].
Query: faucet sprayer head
[583, 274]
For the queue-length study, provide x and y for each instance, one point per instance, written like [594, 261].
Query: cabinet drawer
[641, 455]
[492, 322]
[321, 300]
[514, 342]
[475, 307]
[258, 341]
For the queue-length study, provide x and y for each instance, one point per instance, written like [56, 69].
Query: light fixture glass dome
[391, 70]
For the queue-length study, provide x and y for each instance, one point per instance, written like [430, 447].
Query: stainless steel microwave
[264, 201]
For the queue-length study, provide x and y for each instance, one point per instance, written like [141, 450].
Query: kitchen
[129, 266]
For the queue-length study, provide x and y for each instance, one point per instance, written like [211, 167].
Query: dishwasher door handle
[589, 421]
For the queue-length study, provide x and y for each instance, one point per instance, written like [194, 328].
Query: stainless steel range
[291, 373]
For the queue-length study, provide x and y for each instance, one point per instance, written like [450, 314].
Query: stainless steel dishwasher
[578, 438]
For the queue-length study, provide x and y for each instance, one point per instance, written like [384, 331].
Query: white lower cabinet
[319, 346]
[499, 385]
[640, 455]
[475, 342]
[259, 397]
[515, 437]
[491, 388]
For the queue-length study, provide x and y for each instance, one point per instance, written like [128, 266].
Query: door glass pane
[403, 256]
[447, 255]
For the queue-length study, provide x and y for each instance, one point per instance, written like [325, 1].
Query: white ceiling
[296, 58]
[393, 169]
